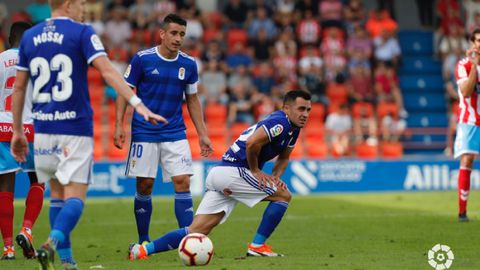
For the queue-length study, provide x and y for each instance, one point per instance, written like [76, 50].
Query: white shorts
[228, 185]
[174, 157]
[64, 157]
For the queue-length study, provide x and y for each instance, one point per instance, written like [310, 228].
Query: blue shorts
[8, 164]
[467, 140]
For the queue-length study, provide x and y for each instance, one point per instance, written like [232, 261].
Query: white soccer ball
[195, 249]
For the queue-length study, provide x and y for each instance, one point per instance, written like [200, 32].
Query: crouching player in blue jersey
[239, 178]
[162, 76]
[55, 55]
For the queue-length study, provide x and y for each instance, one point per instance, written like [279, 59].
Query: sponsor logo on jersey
[155, 71]
[48, 151]
[181, 73]
[96, 43]
[276, 130]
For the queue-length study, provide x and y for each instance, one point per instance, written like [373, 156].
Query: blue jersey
[56, 53]
[161, 84]
[281, 135]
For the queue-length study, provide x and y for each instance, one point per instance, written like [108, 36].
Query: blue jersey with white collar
[281, 135]
[161, 84]
[56, 53]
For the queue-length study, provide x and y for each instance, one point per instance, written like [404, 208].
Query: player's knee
[181, 183]
[285, 196]
[144, 187]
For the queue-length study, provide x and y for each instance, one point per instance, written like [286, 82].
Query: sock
[65, 255]
[66, 220]
[64, 248]
[271, 218]
[463, 189]
[143, 211]
[183, 208]
[33, 204]
[6, 217]
[167, 242]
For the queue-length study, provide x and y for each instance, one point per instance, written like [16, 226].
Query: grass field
[338, 231]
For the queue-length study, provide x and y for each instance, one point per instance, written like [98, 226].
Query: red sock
[6, 217]
[33, 204]
[463, 189]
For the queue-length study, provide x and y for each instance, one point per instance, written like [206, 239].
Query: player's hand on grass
[206, 147]
[150, 116]
[265, 180]
[119, 136]
[19, 147]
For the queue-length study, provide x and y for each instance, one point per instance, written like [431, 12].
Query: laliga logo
[440, 257]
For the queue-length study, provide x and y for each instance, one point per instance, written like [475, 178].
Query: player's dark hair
[173, 18]
[474, 33]
[294, 94]
[16, 32]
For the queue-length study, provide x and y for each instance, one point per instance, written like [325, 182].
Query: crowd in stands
[250, 53]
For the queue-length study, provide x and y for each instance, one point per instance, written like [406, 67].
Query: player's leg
[466, 165]
[143, 207]
[142, 163]
[7, 186]
[272, 216]
[176, 161]
[183, 200]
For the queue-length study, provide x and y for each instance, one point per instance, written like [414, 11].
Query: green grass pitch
[335, 231]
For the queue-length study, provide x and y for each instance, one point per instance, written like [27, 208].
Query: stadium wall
[302, 177]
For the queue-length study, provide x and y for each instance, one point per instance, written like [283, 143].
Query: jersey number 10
[41, 67]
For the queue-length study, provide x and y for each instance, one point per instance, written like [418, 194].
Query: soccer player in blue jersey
[163, 75]
[55, 56]
[239, 178]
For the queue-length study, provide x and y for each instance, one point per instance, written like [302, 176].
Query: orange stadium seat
[314, 129]
[219, 147]
[236, 35]
[298, 151]
[317, 113]
[337, 92]
[391, 150]
[359, 107]
[384, 108]
[194, 148]
[316, 148]
[366, 151]
[114, 153]
[216, 113]
[237, 129]
[94, 77]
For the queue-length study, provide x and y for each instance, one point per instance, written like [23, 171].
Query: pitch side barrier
[302, 177]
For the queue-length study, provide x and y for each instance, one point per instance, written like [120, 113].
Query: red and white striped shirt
[468, 106]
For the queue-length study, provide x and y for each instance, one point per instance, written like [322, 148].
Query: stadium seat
[337, 93]
[237, 129]
[316, 148]
[236, 35]
[94, 77]
[391, 150]
[118, 54]
[217, 130]
[384, 108]
[98, 153]
[317, 113]
[194, 148]
[209, 35]
[362, 107]
[314, 129]
[298, 151]
[366, 151]
[216, 113]
[219, 147]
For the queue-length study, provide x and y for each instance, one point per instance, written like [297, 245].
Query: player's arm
[281, 162]
[19, 145]
[254, 145]
[119, 133]
[113, 78]
[468, 86]
[195, 110]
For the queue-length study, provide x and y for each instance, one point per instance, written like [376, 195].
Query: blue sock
[66, 220]
[183, 208]
[143, 211]
[64, 247]
[167, 242]
[271, 218]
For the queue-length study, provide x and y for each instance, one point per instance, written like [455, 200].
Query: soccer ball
[195, 249]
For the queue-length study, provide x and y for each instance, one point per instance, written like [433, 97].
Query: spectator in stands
[333, 41]
[386, 86]
[195, 27]
[354, 14]
[312, 76]
[308, 29]
[379, 20]
[268, 5]
[261, 46]
[242, 76]
[303, 6]
[117, 29]
[162, 8]
[264, 81]
[214, 81]
[387, 47]
[365, 127]
[39, 11]
[338, 127]
[359, 40]
[261, 21]
[285, 7]
[285, 44]
[453, 42]
[331, 13]
[214, 51]
[425, 12]
[471, 8]
[235, 14]
[239, 56]
[140, 14]
[240, 106]
[361, 86]
[335, 64]
[264, 107]
[94, 16]
[448, 12]
[393, 127]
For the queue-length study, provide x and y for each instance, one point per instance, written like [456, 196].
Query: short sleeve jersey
[281, 134]
[161, 84]
[56, 53]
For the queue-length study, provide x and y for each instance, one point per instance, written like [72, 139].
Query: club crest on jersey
[276, 130]
[96, 43]
[181, 73]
